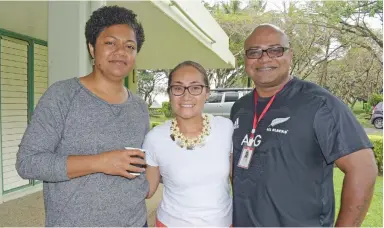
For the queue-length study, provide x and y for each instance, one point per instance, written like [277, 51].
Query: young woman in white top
[192, 154]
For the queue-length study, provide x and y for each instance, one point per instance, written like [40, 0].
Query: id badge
[246, 156]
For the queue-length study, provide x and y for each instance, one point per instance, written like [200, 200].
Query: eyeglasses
[272, 52]
[178, 90]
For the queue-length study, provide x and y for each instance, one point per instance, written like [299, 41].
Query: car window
[231, 97]
[215, 98]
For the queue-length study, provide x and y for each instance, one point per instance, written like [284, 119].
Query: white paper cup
[132, 148]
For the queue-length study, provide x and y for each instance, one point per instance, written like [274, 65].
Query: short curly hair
[112, 15]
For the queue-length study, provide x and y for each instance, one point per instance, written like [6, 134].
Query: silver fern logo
[275, 122]
[278, 121]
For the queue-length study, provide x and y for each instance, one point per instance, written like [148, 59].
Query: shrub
[377, 141]
[167, 110]
[375, 99]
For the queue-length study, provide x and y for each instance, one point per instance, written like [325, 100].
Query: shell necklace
[190, 143]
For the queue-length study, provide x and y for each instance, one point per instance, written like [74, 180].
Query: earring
[93, 62]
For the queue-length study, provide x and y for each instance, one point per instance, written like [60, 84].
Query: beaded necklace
[190, 143]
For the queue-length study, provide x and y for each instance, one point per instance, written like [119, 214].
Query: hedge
[377, 141]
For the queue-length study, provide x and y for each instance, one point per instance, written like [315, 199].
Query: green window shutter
[14, 106]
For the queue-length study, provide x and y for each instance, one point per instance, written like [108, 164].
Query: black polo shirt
[289, 181]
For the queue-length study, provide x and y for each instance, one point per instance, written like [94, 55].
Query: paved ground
[373, 131]
[29, 210]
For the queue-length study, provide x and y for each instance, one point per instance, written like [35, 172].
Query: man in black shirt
[289, 135]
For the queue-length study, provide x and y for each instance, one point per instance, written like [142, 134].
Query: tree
[231, 7]
[151, 83]
[237, 27]
[351, 18]
[333, 43]
[355, 76]
[235, 17]
[258, 6]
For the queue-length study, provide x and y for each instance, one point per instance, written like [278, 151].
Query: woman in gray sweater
[75, 142]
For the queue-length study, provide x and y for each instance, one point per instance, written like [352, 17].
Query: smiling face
[188, 106]
[115, 52]
[265, 71]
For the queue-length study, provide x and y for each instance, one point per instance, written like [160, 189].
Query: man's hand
[360, 171]
[120, 162]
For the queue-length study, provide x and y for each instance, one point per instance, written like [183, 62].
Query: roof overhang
[179, 30]
[175, 31]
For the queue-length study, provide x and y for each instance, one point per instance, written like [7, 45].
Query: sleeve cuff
[60, 168]
[151, 163]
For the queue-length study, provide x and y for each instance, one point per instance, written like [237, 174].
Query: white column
[93, 5]
[67, 50]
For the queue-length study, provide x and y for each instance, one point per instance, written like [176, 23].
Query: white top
[196, 182]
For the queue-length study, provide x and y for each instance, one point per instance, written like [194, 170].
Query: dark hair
[193, 64]
[112, 15]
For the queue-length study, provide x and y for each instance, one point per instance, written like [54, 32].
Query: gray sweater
[70, 120]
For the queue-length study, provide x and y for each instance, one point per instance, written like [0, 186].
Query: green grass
[364, 120]
[358, 108]
[362, 116]
[374, 216]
